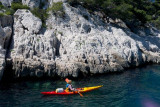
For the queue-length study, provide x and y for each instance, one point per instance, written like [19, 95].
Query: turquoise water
[133, 88]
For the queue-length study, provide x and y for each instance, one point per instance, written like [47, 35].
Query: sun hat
[67, 80]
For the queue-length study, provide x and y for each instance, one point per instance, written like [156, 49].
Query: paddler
[69, 86]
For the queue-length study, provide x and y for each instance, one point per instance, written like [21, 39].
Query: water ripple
[133, 88]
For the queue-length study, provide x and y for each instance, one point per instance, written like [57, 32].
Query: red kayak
[81, 90]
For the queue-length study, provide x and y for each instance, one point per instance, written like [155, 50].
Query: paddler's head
[69, 82]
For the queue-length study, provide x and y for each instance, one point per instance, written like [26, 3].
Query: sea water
[139, 87]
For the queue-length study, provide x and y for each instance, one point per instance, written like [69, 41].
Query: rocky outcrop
[40, 3]
[55, 1]
[5, 36]
[76, 43]
[6, 2]
[147, 30]
[32, 3]
[88, 45]
[6, 20]
[2, 60]
[33, 51]
[2, 65]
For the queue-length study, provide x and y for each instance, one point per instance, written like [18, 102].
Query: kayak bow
[81, 90]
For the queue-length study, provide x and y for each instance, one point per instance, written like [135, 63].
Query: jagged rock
[32, 3]
[6, 2]
[6, 20]
[2, 52]
[5, 36]
[54, 1]
[2, 65]
[32, 67]
[28, 21]
[100, 46]
[2, 34]
[146, 31]
[8, 32]
[77, 43]
[34, 51]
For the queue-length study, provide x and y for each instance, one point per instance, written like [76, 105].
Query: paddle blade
[80, 94]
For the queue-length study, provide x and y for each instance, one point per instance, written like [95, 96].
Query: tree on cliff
[128, 10]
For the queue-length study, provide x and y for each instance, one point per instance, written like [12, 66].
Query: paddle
[80, 94]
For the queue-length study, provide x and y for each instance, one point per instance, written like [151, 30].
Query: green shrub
[142, 15]
[42, 14]
[127, 10]
[9, 11]
[1, 6]
[156, 22]
[2, 14]
[18, 5]
[0, 3]
[123, 11]
[57, 8]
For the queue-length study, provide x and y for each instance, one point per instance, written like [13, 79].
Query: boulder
[28, 21]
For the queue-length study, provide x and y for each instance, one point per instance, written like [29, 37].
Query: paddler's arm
[71, 88]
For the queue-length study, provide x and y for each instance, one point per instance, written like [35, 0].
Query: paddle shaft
[80, 94]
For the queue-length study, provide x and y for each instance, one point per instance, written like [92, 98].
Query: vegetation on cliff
[57, 9]
[14, 6]
[128, 10]
[18, 5]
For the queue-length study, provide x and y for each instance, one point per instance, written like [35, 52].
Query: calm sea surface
[133, 88]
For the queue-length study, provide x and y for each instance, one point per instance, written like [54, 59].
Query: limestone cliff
[76, 42]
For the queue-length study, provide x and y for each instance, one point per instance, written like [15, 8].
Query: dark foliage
[146, 11]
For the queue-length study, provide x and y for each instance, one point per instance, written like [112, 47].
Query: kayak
[80, 90]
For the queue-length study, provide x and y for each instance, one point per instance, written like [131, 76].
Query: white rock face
[78, 43]
[2, 52]
[2, 65]
[31, 3]
[6, 2]
[55, 1]
[34, 51]
[88, 45]
[29, 21]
